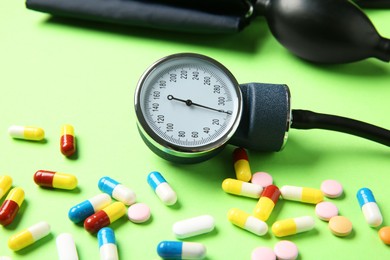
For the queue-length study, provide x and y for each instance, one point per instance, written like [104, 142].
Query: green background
[55, 72]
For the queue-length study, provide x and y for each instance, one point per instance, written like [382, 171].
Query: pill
[263, 179]
[56, 180]
[11, 205]
[263, 253]
[193, 226]
[5, 184]
[138, 213]
[104, 217]
[340, 226]
[331, 188]
[28, 236]
[268, 199]
[384, 234]
[116, 190]
[107, 244]
[326, 210]
[161, 187]
[88, 207]
[293, 226]
[369, 207]
[66, 248]
[286, 250]
[181, 250]
[26, 132]
[5, 258]
[67, 140]
[243, 220]
[302, 194]
[241, 164]
[242, 188]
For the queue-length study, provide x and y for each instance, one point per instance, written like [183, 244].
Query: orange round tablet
[384, 235]
[340, 226]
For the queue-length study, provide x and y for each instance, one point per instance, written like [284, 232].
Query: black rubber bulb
[324, 31]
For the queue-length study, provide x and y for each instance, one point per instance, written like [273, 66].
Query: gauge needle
[189, 102]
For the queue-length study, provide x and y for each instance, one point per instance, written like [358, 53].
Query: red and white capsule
[67, 140]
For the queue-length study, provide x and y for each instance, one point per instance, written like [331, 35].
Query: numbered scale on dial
[188, 106]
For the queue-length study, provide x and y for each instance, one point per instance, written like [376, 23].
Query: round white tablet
[263, 179]
[138, 213]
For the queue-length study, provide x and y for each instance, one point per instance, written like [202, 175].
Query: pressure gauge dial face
[187, 106]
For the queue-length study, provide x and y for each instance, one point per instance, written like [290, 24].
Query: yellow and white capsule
[242, 188]
[5, 184]
[302, 194]
[245, 221]
[28, 236]
[26, 132]
[292, 226]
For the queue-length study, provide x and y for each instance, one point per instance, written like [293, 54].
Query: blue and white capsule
[89, 207]
[107, 244]
[181, 250]
[370, 209]
[117, 191]
[161, 187]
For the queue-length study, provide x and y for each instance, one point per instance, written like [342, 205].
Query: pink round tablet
[326, 210]
[262, 178]
[286, 250]
[138, 213]
[263, 253]
[331, 188]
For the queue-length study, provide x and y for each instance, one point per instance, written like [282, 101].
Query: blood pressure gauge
[188, 106]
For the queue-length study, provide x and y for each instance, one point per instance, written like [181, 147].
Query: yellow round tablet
[384, 235]
[340, 226]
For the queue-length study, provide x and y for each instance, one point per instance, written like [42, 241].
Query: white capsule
[66, 247]
[193, 226]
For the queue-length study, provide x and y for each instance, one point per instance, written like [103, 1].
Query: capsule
[193, 226]
[104, 217]
[242, 188]
[162, 188]
[117, 190]
[107, 244]
[11, 205]
[87, 208]
[245, 221]
[56, 180]
[302, 194]
[268, 199]
[5, 184]
[28, 236]
[66, 247]
[67, 140]
[292, 226]
[181, 250]
[26, 132]
[241, 165]
[370, 209]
